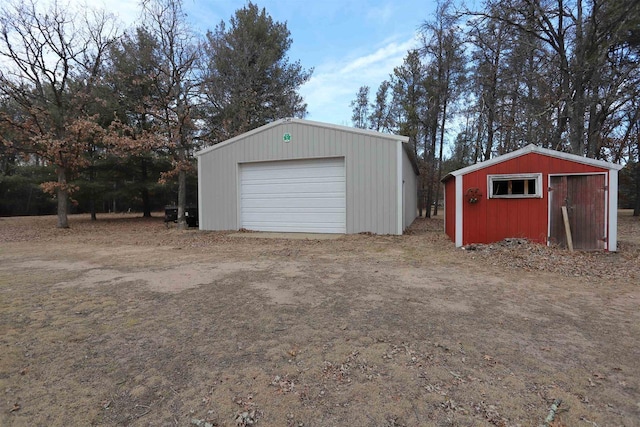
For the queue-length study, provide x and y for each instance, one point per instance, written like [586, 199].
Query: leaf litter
[342, 359]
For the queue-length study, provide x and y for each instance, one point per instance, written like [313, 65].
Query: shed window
[515, 186]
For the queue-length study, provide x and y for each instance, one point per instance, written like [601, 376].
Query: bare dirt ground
[126, 322]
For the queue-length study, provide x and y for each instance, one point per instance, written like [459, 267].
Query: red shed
[521, 194]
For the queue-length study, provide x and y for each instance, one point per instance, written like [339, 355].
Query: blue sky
[349, 43]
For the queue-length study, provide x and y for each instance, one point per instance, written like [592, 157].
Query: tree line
[90, 113]
[559, 74]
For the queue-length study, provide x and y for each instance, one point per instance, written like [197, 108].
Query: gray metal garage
[297, 175]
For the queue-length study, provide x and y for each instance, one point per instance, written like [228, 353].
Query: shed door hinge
[606, 188]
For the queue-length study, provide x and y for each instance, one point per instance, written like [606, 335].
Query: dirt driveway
[125, 322]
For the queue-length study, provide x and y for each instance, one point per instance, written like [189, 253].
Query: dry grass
[126, 322]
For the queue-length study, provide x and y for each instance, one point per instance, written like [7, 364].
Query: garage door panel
[290, 188]
[310, 227]
[296, 196]
[295, 164]
[291, 202]
[294, 181]
[303, 197]
[294, 217]
[294, 173]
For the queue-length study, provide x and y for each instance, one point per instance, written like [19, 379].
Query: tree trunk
[115, 187]
[92, 196]
[63, 198]
[509, 144]
[491, 105]
[421, 196]
[146, 204]
[442, 129]
[182, 199]
[27, 211]
[477, 155]
[431, 159]
[636, 209]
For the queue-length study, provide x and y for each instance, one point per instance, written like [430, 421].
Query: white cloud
[384, 54]
[334, 85]
[381, 15]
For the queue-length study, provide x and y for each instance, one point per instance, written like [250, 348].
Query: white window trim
[524, 176]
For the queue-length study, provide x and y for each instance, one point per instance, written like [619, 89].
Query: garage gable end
[309, 123]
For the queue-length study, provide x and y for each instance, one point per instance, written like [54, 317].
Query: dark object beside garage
[191, 214]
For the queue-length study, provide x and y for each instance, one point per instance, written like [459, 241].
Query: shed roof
[367, 132]
[532, 148]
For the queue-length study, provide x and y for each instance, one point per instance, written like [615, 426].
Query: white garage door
[294, 195]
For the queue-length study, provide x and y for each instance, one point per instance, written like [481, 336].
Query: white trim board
[399, 201]
[459, 207]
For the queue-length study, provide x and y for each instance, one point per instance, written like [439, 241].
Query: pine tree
[249, 80]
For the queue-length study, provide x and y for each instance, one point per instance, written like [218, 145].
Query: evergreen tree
[249, 80]
[360, 108]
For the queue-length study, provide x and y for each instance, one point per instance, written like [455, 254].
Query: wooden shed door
[584, 197]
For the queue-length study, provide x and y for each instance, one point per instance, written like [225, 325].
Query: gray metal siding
[370, 167]
[410, 191]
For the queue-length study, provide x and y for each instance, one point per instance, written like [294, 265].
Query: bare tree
[177, 87]
[578, 43]
[491, 41]
[442, 47]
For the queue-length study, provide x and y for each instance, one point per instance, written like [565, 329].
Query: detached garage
[297, 175]
[537, 194]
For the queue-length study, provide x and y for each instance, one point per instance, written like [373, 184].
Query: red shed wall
[492, 220]
[450, 208]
